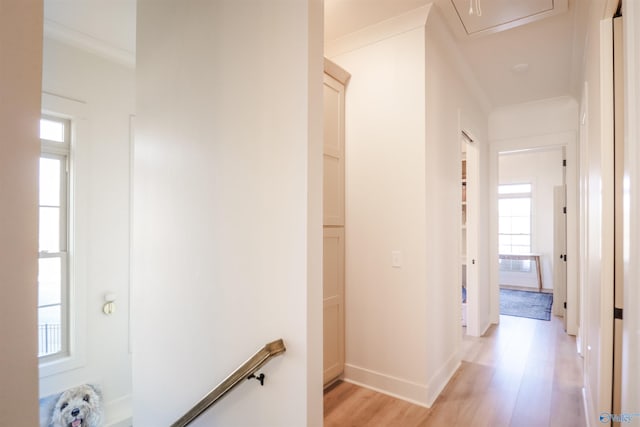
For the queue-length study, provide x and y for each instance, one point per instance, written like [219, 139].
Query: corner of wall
[119, 411]
[437, 28]
[442, 378]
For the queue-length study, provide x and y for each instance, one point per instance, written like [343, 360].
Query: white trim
[336, 72]
[561, 139]
[64, 34]
[419, 394]
[406, 22]
[386, 384]
[583, 182]
[132, 146]
[118, 412]
[604, 324]
[127, 422]
[77, 249]
[588, 417]
[631, 325]
[440, 380]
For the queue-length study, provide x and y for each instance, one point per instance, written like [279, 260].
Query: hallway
[522, 373]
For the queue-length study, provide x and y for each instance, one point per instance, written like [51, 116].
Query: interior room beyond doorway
[527, 181]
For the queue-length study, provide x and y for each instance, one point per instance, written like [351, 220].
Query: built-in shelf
[463, 235]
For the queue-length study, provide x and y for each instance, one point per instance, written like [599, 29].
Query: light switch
[396, 259]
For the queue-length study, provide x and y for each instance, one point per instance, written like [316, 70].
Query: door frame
[567, 140]
[631, 340]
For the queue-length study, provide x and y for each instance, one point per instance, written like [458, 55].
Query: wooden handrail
[246, 370]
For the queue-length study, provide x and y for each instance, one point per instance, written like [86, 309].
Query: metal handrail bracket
[247, 369]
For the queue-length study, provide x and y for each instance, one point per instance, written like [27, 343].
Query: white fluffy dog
[78, 407]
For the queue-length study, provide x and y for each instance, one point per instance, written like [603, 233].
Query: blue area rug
[534, 305]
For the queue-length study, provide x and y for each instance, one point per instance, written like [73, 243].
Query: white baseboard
[419, 394]
[395, 387]
[442, 378]
[119, 412]
[486, 328]
[123, 423]
[585, 405]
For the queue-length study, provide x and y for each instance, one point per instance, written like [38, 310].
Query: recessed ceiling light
[520, 68]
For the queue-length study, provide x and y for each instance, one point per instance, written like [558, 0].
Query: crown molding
[382, 30]
[336, 71]
[77, 39]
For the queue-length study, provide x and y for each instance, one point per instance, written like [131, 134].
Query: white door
[333, 303]
[560, 253]
[333, 221]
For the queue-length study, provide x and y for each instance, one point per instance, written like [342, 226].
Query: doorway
[469, 234]
[562, 146]
[531, 231]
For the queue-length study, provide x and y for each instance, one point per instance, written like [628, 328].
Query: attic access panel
[499, 15]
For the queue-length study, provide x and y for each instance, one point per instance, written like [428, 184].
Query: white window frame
[76, 346]
[525, 266]
[60, 150]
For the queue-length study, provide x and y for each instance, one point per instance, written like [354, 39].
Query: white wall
[386, 309]
[105, 90]
[20, 79]
[548, 116]
[227, 209]
[403, 194]
[543, 169]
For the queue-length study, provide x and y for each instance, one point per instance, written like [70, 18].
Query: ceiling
[546, 53]
[480, 17]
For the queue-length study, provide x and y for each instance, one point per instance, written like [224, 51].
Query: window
[53, 269]
[514, 225]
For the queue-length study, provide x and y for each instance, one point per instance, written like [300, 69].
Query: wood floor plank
[522, 373]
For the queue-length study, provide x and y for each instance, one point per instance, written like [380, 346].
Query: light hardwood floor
[522, 373]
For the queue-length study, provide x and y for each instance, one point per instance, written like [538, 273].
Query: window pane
[519, 249]
[52, 130]
[49, 233]
[504, 240]
[520, 225]
[522, 240]
[504, 225]
[49, 281]
[50, 181]
[504, 207]
[49, 330]
[521, 207]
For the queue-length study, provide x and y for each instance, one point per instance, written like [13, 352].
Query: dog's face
[78, 407]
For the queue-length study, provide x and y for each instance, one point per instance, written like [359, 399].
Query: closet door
[335, 80]
[333, 292]
[333, 176]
